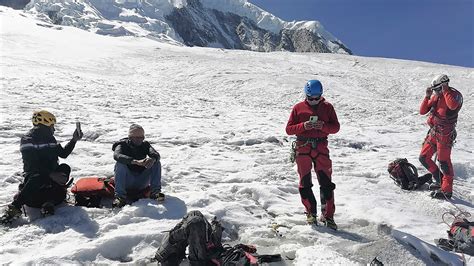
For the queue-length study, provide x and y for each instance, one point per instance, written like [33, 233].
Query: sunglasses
[313, 98]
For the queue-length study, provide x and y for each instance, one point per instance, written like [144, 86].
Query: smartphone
[78, 127]
[313, 118]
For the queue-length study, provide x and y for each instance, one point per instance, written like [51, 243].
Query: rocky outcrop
[198, 26]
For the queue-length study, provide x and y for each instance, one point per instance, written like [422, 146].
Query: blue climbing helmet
[313, 88]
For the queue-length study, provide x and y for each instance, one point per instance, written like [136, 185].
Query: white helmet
[438, 80]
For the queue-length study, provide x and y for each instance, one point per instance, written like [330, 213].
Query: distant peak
[230, 24]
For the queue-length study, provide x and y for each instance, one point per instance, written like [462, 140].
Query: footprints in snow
[357, 145]
[202, 141]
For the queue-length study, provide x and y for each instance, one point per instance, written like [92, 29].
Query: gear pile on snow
[460, 237]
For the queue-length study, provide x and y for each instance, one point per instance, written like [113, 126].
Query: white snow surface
[218, 119]
[147, 18]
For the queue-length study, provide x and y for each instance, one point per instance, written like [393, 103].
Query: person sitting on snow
[138, 167]
[45, 183]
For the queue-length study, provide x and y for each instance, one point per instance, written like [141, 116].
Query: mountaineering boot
[328, 222]
[47, 209]
[312, 218]
[439, 194]
[434, 186]
[427, 178]
[11, 213]
[118, 202]
[158, 196]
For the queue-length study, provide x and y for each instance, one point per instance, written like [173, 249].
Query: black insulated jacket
[40, 152]
[125, 152]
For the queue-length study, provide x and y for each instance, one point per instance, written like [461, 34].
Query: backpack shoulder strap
[409, 170]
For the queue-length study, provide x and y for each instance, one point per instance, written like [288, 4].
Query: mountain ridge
[231, 24]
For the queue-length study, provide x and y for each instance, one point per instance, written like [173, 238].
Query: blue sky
[440, 31]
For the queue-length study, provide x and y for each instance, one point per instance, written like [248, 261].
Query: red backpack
[403, 173]
[89, 191]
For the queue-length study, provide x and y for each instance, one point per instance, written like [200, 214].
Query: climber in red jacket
[443, 104]
[312, 120]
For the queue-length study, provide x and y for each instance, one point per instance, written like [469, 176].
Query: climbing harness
[307, 141]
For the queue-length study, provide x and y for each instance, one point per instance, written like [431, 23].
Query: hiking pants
[441, 145]
[39, 189]
[125, 179]
[315, 155]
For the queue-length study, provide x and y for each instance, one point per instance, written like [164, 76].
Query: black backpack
[239, 254]
[245, 255]
[404, 174]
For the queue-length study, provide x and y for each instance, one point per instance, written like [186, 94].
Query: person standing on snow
[45, 183]
[138, 166]
[312, 150]
[443, 106]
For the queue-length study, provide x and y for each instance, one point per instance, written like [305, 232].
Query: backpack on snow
[405, 174]
[245, 255]
[89, 191]
[239, 254]
[461, 237]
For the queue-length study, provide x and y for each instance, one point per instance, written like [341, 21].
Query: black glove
[77, 135]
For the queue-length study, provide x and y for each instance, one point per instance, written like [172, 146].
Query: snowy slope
[218, 118]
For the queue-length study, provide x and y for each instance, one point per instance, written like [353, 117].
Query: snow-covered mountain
[218, 119]
[230, 24]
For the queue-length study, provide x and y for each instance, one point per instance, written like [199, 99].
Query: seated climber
[46, 181]
[138, 168]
